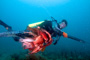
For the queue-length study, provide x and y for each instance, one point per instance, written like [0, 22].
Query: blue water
[20, 13]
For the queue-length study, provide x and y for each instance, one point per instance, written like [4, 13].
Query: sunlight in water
[45, 2]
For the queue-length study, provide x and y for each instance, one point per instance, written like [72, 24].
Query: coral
[32, 57]
[47, 56]
[35, 57]
[41, 58]
[65, 55]
[15, 56]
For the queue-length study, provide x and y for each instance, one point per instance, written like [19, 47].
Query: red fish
[38, 44]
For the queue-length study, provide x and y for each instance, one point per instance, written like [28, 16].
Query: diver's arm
[71, 37]
[9, 28]
[77, 39]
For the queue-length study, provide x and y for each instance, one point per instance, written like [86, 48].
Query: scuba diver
[53, 27]
[43, 33]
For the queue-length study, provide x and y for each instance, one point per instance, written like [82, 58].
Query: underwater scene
[44, 29]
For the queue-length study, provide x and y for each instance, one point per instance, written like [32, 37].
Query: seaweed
[15, 56]
[62, 55]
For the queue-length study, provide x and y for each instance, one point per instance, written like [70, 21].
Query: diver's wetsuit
[47, 25]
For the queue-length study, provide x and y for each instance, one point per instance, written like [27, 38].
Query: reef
[63, 55]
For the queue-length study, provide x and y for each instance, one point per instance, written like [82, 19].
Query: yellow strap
[35, 24]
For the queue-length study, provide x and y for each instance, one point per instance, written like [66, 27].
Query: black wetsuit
[47, 25]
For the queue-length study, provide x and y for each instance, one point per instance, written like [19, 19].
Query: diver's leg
[9, 28]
